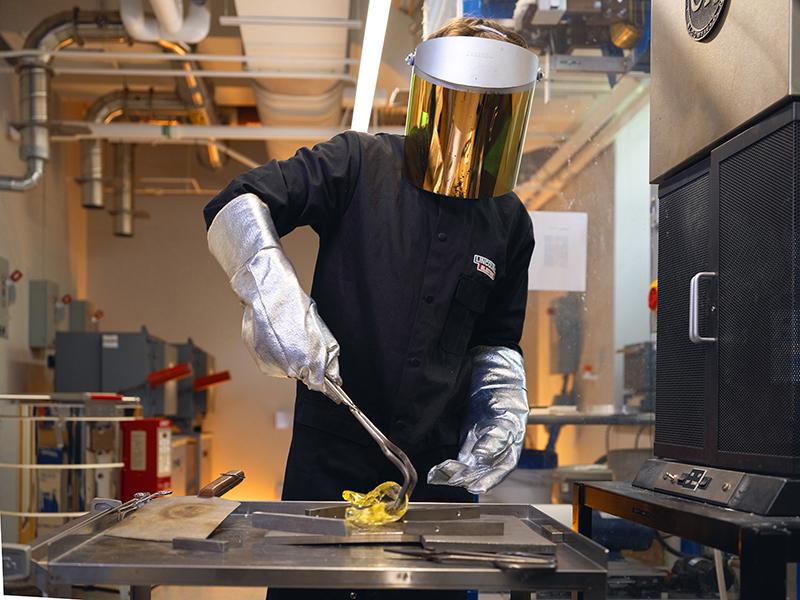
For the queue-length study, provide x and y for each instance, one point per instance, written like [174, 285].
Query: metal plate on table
[285, 538]
[517, 537]
[446, 513]
[391, 533]
[300, 523]
[164, 519]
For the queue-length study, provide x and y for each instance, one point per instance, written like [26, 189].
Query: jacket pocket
[469, 301]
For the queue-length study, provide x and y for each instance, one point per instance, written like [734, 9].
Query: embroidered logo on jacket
[485, 266]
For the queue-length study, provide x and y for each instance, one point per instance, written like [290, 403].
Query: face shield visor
[468, 112]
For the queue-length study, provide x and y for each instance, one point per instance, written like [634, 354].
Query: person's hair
[476, 27]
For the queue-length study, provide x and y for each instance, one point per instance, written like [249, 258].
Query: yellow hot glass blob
[374, 508]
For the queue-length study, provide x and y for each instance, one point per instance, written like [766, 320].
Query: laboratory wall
[614, 192]
[43, 235]
[592, 192]
[632, 213]
[165, 279]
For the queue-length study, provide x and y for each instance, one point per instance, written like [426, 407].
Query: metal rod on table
[390, 451]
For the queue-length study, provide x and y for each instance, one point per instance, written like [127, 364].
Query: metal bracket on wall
[5, 293]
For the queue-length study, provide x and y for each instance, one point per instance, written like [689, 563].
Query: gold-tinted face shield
[465, 141]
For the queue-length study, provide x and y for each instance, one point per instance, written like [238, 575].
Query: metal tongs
[505, 561]
[390, 451]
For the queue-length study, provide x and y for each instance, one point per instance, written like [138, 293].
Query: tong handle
[222, 484]
[397, 457]
[337, 394]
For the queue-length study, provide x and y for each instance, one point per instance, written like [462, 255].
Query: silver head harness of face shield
[468, 112]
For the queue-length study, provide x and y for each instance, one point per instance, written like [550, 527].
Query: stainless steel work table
[82, 555]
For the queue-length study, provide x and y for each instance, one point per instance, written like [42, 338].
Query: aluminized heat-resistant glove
[280, 326]
[495, 423]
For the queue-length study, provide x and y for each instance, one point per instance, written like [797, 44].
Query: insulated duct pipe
[169, 23]
[199, 98]
[105, 110]
[53, 34]
[123, 211]
[35, 147]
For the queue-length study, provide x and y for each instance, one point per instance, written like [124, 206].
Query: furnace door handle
[694, 309]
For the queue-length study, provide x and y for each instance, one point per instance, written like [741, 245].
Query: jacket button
[414, 362]
[428, 299]
[442, 237]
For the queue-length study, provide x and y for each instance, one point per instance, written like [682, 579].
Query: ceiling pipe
[303, 96]
[598, 116]
[35, 147]
[199, 98]
[554, 175]
[150, 73]
[168, 12]
[105, 110]
[169, 23]
[51, 35]
[151, 133]
[123, 210]
[147, 132]
[237, 156]
[7, 53]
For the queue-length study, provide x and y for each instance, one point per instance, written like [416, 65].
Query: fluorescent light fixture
[371, 52]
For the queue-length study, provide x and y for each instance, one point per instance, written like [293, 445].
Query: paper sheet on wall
[559, 259]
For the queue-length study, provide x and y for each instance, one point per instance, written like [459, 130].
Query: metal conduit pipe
[52, 34]
[104, 110]
[123, 211]
[199, 98]
[34, 149]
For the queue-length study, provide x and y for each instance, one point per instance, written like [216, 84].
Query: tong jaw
[390, 451]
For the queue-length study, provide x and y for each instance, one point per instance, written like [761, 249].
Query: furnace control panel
[712, 485]
[693, 480]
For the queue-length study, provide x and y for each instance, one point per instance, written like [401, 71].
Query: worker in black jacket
[420, 287]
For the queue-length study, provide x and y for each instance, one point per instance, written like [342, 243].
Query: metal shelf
[764, 544]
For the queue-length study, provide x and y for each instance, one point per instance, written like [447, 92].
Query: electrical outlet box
[43, 296]
[4, 298]
[80, 316]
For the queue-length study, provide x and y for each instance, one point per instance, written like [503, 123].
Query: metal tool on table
[499, 560]
[193, 517]
[390, 451]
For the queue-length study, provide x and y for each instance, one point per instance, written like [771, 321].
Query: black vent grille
[683, 227]
[759, 296]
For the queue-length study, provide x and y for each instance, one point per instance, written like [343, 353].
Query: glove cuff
[494, 428]
[497, 387]
[240, 230]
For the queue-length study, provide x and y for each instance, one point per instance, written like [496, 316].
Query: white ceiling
[572, 95]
